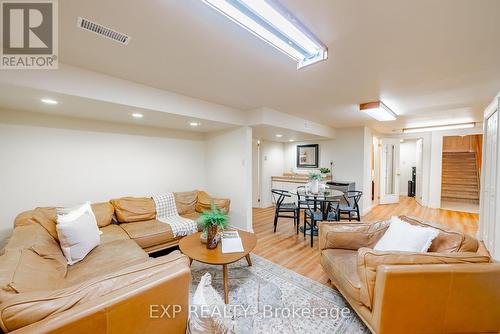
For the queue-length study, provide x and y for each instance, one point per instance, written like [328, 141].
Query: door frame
[394, 197]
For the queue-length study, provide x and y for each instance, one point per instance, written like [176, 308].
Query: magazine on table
[231, 242]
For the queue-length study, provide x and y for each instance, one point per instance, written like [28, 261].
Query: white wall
[256, 173]
[272, 164]
[43, 166]
[347, 151]
[229, 172]
[367, 204]
[407, 159]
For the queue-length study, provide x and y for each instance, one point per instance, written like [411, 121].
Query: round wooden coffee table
[196, 250]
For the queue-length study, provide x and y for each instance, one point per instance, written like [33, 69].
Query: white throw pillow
[206, 309]
[402, 236]
[77, 231]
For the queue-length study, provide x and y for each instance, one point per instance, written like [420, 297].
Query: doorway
[461, 173]
[389, 170]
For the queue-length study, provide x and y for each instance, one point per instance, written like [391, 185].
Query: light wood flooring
[294, 252]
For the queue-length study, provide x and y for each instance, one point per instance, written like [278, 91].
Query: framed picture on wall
[308, 156]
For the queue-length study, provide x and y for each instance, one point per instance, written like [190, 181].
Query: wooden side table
[196, 250]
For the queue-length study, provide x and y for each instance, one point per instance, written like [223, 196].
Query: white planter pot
[315, 186]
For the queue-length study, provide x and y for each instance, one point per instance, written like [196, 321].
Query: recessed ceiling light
[49, 101]
[291, 140]
[275, 25]
[378, 110]
[195, 124]
[440, 127]
[137, 115]
[401, 140]
[279, 135]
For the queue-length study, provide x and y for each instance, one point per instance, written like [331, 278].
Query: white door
[389, 171]
[420, 158]
[489, 186]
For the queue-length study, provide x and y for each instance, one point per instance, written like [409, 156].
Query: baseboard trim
[367, 210]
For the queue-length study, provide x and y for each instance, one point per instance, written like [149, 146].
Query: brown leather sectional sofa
[450, 289]
[117, 288]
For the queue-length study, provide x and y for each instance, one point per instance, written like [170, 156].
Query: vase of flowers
[314, 178]
[212, 222]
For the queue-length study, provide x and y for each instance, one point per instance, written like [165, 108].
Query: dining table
[324, 195]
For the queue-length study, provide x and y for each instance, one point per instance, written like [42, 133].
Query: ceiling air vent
[101, 30]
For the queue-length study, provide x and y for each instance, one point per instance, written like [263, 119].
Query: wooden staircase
[460, 177]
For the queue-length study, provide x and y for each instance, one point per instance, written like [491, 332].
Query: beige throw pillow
[77, 232]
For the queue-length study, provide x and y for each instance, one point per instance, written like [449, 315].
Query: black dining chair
[283, 210]
[352, 198]
[319, 209]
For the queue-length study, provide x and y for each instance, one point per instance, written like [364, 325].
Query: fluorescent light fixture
[137, 115]
[279, 135]
[274, 24]
[194, 124]
[378, 110]
[440, 127]
[49, 101]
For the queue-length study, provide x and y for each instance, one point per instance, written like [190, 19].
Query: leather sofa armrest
[204, 202]
[437, 298]
[370, 260]
[131, 301]
[350, 236]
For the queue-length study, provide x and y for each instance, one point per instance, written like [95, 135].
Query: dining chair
[352, 198]
[283, 210]
[301, 192]
[327, 210]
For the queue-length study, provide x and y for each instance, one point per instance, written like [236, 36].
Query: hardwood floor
[294, 252]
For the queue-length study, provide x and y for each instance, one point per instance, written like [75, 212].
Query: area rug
[268, 298]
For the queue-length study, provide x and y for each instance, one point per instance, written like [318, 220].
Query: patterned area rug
[268, 298]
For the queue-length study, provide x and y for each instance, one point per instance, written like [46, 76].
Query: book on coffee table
[231, 242]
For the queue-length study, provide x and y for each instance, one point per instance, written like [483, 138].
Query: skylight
[271, 22]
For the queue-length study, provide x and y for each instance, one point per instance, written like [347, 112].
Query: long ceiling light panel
[440, 127]
[378, 110]
[273, 23]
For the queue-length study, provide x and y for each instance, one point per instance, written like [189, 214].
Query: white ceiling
[26, 99]
[430, 61]
[267, 132]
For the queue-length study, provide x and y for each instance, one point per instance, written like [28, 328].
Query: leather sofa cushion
[204, 202]
[106, 258]
[448, 240]
[149, 233]
[112, 232]
[350, 236]
[23, 309]
[40, 267]
[341, 265]
[103, 213]
[24, 237]
[192, 215]
[186, 201]
[47, 217]
[134, 209]
[368, 261]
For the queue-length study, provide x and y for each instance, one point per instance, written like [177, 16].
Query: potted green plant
[324, 171]
[314, 178]
[212, 221]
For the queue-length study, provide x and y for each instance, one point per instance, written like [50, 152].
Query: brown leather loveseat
[450, 289]
[117, 288]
